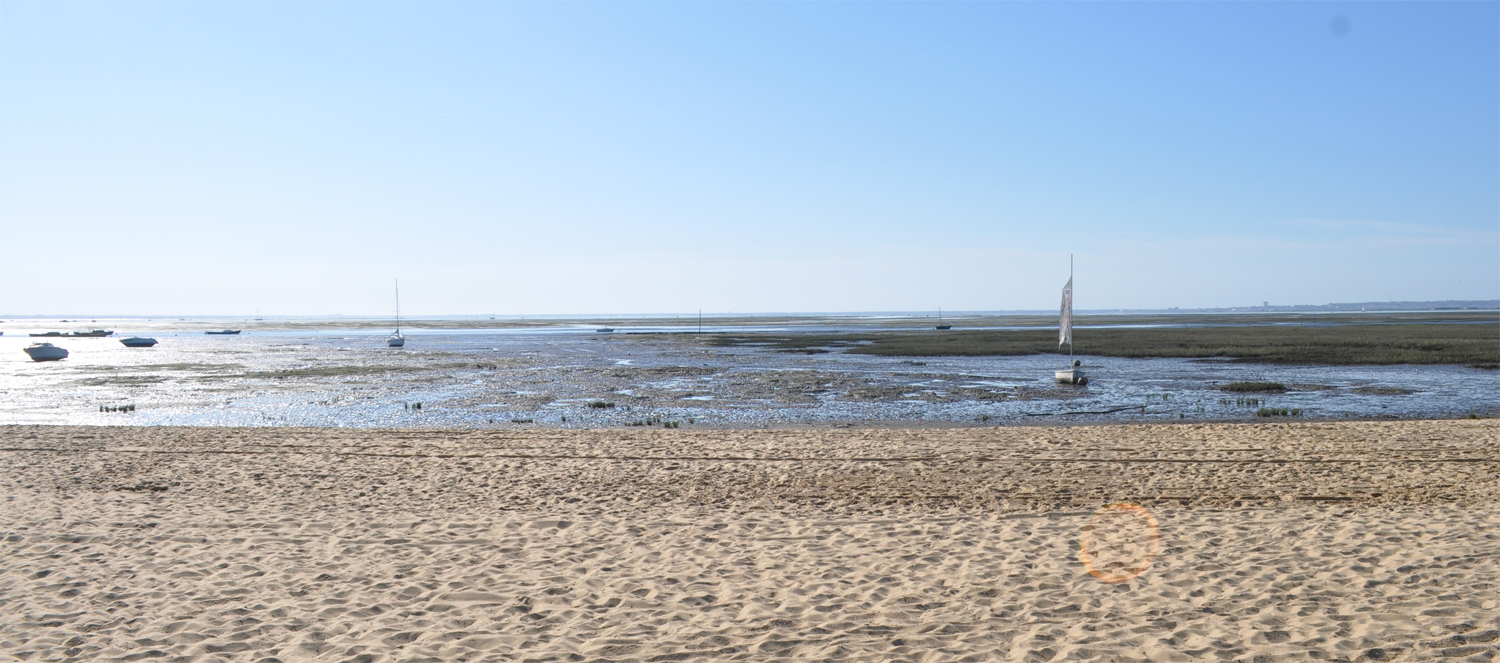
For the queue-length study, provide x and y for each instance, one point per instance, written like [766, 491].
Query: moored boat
[226, 331]
[605, 330]
[396, 340]
[138, 342]
[45, 352]
[1073, 374]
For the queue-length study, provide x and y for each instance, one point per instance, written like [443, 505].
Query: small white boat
[45, 352]
[396, 340]
[1073, 374]
[138, 342]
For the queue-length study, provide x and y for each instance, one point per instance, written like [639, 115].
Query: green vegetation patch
[121, 380]
[1253, 387]
[177, 366]
[1437, 343]
[332, 371]
[662, 371]
[797, 343]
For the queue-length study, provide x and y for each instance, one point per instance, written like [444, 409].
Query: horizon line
[1400, 307]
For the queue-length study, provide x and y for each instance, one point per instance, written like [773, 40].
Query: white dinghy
[1072, 374]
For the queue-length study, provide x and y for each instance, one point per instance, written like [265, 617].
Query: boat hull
[138, 342]
[1071, 376]
[223, 333]
[396, 342]
[46, 352]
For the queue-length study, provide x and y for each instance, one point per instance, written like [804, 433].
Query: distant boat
[941, 326]
[45, 352]
[226, 331]
[605, 330]
[48, 335]
[97, 333]
[396, 340]
[1072, 374]
[138, 342]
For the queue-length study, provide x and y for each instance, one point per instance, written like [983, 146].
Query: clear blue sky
[218, 158]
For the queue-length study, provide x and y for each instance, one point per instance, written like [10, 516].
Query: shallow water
[547, 378]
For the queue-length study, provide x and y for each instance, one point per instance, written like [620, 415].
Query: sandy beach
[1334, 541]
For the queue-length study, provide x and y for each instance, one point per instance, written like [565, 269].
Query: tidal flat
[867, 374]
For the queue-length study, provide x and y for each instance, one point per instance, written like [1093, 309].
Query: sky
[296, 158]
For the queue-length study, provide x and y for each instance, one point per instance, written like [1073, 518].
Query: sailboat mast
[1070, 332]
[398, 306]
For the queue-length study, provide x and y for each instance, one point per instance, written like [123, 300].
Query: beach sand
[1338, 541]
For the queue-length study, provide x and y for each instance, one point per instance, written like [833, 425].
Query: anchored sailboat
[396, 340]
[1071, 375]
[942, 326]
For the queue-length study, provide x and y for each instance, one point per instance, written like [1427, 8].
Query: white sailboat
[396, 340]
[1072, 374]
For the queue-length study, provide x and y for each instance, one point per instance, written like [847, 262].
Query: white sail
[1065, 326]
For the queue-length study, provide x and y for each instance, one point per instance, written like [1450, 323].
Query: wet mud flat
[689, 380]
[1337, 541]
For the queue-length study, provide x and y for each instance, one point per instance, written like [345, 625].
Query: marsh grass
[1276, 387]
[176, 366]
[121, 380]
[1252, 402]
[1474, 344]
[332, 371]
